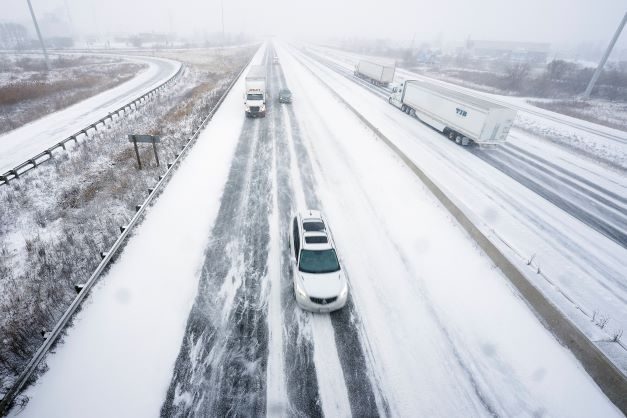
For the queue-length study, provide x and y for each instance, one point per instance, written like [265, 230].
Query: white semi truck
[255, 94]
[460, 116]
[378, 73]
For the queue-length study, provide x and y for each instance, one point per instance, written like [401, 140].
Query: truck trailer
[255, 94]
[460, 116]
[378, 73]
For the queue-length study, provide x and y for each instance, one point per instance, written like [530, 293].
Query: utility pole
[597, 72]
[41, 40]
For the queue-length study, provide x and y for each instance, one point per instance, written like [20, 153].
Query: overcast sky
[560, 22]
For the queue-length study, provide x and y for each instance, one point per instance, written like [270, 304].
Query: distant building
[532, 52]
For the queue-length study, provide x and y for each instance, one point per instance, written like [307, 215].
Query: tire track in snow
[365, 397]
[221, 368]
[276, 404]
[300, 373]
[568, 173]
[607, 220]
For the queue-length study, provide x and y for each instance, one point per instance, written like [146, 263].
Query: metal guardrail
[7, 401]
[603, 371]
[46, 155]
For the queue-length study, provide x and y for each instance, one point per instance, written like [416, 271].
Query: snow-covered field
[20, 144]
[610, 113]
[29, 92]
[431, 328]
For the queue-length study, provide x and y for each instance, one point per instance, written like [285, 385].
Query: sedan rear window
[323, 261]
[317, 239]
[313, 226]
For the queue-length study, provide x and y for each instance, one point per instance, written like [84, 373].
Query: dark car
[285, 96]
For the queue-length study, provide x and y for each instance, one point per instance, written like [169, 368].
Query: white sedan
[319, 282]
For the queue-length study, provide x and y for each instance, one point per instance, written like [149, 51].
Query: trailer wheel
[390, 100]
[403, 108]
[458, 139]
[451, 135]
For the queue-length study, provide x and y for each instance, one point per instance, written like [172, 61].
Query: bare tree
[515, 74]
[556, 69]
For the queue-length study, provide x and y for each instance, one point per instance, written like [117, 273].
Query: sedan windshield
[321, 261]
[255, 96]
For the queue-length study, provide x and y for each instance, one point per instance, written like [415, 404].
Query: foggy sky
[560, 22]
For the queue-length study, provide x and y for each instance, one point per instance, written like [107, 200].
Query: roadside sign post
[147, 139]
[154, 147]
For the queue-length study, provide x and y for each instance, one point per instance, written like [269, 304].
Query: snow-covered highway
[544, 204]
[198, 317]
[20, 144]
[599, 202]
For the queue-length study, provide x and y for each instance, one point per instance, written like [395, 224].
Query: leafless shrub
[617, 336]
[515, 74]
[602, 321]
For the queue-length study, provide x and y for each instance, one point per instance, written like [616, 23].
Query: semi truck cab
[255, 102]
[396, 98]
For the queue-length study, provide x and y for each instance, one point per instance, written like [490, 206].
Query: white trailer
[255, 94]
[378, 73]
[460, 116]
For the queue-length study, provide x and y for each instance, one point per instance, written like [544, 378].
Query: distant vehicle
[285, 96]
[378, 73]
[275, 60]
[319, 282]
[460, 116]
[255, 94]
